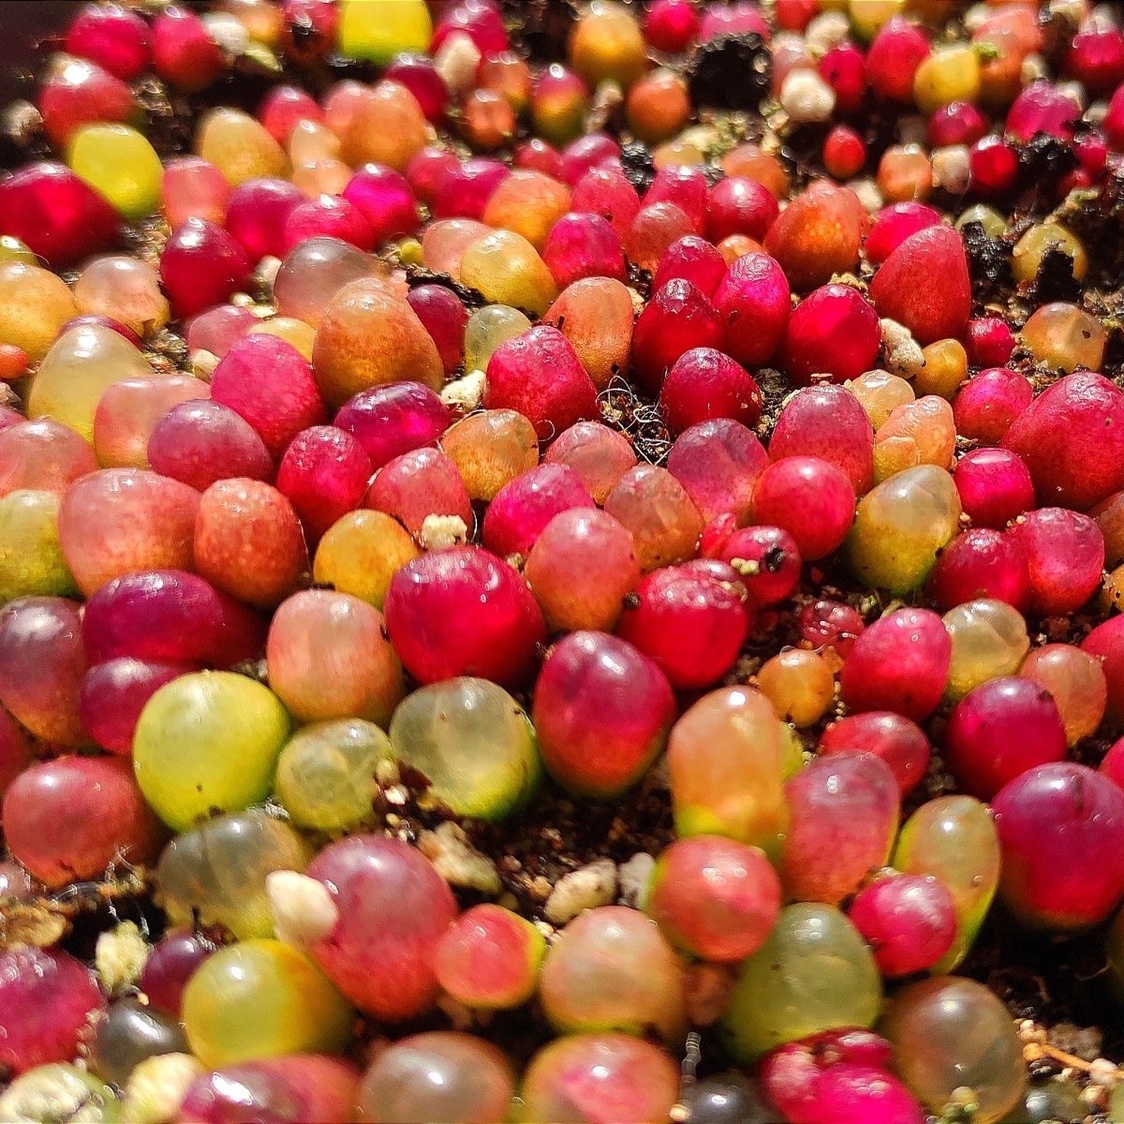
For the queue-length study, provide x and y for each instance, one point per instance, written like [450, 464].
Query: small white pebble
[635, 876]
[457, 861]
[457, 62]
[904, 356]
[465, 393]
[869, 194]
[1073, 90]
[156, 1088]
[825, 31]
[303, 909]
[805, 96]
[267, 270]
[606, 98]
[976, 15]
[439, 532]
[587, 888]
[1103, 1072]
[951, 169]
[120, 955]
[20, 119]
[1034, 67]
[203, 364]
